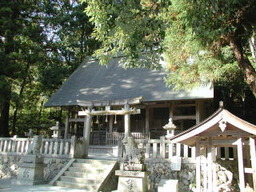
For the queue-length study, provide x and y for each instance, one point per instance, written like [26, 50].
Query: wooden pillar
[226, 149]
[253, 161]
[111, 121]
[197, 106]
[87, 132]
[240, 164]
[204, 169]
[209, 166]
[127, 122]
[147, 119]
[198, 165]
[66, 125]
[214, 169]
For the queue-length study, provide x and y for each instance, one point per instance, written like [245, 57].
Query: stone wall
[226, 172]
[9, 166]
[52, 167]
[160, 169]
[227, 175]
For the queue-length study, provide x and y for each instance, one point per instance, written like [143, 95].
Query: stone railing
[164, 149]
[58, 147]
[61, 148]
[115, 137]
[14, 145]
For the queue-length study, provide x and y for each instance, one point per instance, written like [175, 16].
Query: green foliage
[127, 28]
[69, 41]
[41, 43]
[193, 36]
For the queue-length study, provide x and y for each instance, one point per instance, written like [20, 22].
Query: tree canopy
[202, 41]
[41, 43]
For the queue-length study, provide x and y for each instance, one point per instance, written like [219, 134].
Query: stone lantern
[30, 133]
[56, 130]
[170, 127]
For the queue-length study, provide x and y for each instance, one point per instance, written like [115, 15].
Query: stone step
[91, 181]
[88, 174]
[91, 170]
[89, 166]
[95, 161]
[84, 175]
[75, 174]
[76, 185]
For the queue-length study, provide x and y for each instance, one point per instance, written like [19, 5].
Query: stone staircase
[88, 174]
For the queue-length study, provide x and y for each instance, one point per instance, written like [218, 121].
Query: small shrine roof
[222, 125]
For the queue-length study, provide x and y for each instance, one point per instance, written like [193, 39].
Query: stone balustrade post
[162, 146]
[72, 146]
[77, 148]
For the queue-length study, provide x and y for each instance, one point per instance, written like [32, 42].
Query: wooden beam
[131, 101]
[76, 120]
[185, 105]
[240, 164]
[253, 161]
[233, 133]
[110, 112]
[223, 142]
[182, 117]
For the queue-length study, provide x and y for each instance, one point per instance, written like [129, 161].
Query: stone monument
[132, 174]
[31, 165]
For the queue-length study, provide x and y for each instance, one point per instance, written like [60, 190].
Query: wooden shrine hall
[103, 103]
[222, 129]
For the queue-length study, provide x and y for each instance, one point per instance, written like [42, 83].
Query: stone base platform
[31, 170]
[166, 184]
[132, 181]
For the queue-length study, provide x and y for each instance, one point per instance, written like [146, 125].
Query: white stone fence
[164, 149]
[74, 148]
[114, 138]
[61, 148]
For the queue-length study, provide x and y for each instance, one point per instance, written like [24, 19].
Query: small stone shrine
[31, 166]
[132, 174]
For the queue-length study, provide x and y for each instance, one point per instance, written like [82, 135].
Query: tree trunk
[18, 102]
[244, 64]
[4, 114]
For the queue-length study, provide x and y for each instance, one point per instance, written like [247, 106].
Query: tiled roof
[92, 83]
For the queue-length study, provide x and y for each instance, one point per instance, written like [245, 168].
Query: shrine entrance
[222, 136]
[127, 111]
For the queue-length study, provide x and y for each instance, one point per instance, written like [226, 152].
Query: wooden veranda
[222, 129]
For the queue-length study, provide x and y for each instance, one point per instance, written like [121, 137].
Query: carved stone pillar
[31, 166]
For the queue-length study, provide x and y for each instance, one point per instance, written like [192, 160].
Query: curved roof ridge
[221, 115]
